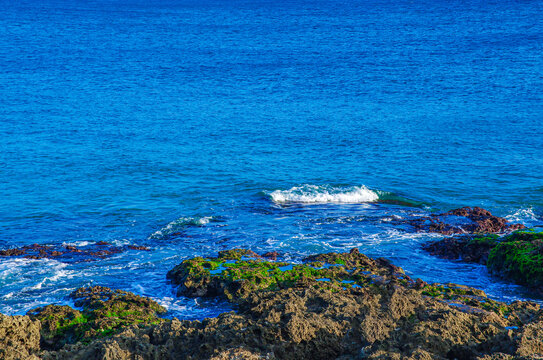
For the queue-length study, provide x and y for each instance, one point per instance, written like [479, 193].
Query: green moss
[527, 235]
[521, 260]
[465, 296]
[238, 278]
[104, 313]
[487, 240]
[236, 254]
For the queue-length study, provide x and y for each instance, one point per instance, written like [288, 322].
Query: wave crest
[314, 194]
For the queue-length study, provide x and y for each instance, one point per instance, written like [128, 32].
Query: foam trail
[314, 194]
[179, 224]
[526, 216]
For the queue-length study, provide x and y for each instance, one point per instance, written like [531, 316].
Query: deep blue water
[127, 121]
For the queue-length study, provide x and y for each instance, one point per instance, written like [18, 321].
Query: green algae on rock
[105, 312]
[235, 276]
[315, 316]
[236, 280]
[517, 256]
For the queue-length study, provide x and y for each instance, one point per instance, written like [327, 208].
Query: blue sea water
[271, 125]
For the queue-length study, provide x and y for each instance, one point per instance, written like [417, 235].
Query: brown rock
[272, 255]
[19, 338]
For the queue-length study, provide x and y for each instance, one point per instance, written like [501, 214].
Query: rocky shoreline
[344, 305]
[328, 306]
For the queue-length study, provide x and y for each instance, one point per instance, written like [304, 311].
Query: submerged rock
[69, 253]
[517, 256]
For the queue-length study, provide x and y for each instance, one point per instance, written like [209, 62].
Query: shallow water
[129, 121]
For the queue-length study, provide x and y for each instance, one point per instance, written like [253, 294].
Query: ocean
[191, 127]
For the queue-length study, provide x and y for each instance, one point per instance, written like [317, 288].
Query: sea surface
[195, 126]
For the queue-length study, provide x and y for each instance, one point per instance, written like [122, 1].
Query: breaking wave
[315, 194]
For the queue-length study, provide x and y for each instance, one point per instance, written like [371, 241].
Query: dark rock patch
[69, 253]
[517, 256]
[461, 221]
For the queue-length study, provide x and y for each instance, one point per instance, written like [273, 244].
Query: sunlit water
[265, 125]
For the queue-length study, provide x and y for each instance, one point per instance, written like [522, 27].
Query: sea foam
[179, 224]
[314, 194]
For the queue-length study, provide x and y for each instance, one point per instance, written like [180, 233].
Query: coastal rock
[105, 312]
[332, 306]
[271, 255]
[517, 256]
[19, 338]
[461, 221]
[466, 248]
[234, 278]
[383, 322]
[69, 253]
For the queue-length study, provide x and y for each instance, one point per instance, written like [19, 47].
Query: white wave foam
[526, 214]
[313, 194]
[179, 224]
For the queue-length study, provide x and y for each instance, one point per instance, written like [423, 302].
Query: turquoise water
[130, 121]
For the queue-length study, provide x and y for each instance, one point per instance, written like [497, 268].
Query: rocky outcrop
[471, 249]
[517, 256]
[105, 312]
[461, 221]
[330, 306]
[19, 338]
[377, 322]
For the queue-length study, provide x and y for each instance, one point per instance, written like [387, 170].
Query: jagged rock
[105, 312]
[288, 314]
[19, 338]
[461, 221]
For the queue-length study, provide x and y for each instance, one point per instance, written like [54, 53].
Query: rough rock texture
[231, 276]
[105, 312]
[364, 309]
[464, 220]
[466, 248]
[517, 256]
[389, 322]
[19, 338]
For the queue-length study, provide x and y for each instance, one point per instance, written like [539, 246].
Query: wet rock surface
[69, 253]
[471, 220]
[471, 249]
[517, 256]
[330, 306]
